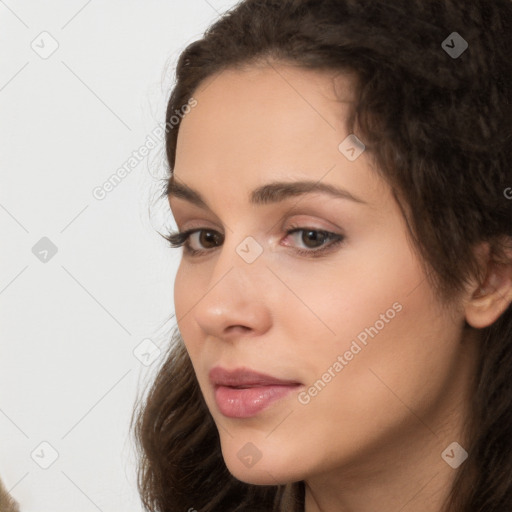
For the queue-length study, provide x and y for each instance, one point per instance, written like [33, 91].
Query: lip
[243, 393]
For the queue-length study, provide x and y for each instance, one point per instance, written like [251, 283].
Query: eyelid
[185, 209]
[311, 221]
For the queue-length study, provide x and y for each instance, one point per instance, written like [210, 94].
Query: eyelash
[178, 239]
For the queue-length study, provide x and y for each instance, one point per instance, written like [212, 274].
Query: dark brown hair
[439, 128]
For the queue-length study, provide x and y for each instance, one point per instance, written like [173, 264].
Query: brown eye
[313, 239]
[209, 239]
[313, 242]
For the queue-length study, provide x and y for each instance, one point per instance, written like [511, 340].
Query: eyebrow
[270, 193]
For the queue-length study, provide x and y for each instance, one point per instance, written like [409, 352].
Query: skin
[372, 438]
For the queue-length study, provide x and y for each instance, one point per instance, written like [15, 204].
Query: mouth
[243, 393]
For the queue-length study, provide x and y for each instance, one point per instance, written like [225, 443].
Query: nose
[234, 305]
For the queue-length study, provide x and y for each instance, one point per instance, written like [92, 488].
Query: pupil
[313, 238]
[207, 238]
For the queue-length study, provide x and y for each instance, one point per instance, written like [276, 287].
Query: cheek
[400, 375]
[380, 316]
[362, 292]
[181, 292]
[384, 366]
[187, 293]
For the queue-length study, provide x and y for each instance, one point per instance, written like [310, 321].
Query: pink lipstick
[242, 393]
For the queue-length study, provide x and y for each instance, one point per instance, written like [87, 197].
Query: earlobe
[492, 298]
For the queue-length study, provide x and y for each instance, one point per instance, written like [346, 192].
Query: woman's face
[307, 276]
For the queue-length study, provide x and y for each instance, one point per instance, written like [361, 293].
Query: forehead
[261, 104]
[272, 122]
[269, 81]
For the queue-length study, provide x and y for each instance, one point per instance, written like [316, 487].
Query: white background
[69, 326]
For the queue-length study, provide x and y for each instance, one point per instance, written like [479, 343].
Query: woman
[343, 298]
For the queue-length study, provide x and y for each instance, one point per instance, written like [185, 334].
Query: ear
[492, 296]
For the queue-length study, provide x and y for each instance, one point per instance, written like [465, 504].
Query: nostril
[238, 328]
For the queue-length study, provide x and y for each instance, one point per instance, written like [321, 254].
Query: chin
[250, 465]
